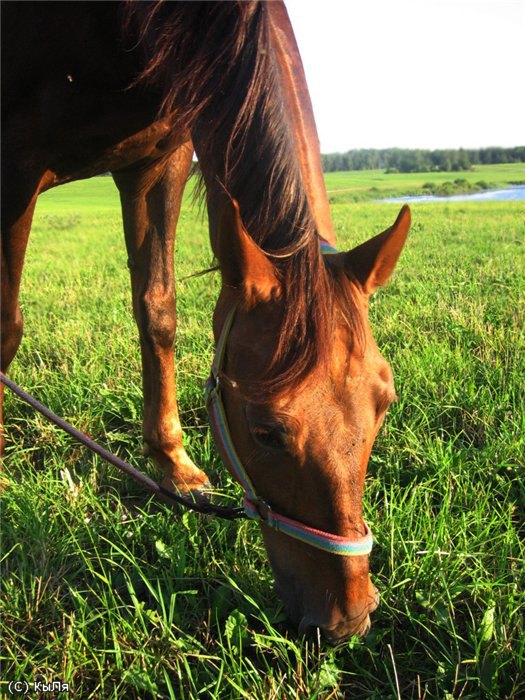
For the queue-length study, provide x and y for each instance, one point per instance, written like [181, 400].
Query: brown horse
[134, 89]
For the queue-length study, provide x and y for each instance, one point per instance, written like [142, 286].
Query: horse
[134, 89]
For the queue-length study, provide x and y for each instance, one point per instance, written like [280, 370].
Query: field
[345, 187]
[120, 597]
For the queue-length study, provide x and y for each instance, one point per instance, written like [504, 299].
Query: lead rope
[157, 489]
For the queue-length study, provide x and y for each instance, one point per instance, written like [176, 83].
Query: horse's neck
[299, 108]
[273, 166]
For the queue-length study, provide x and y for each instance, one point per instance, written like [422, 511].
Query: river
[509, 194]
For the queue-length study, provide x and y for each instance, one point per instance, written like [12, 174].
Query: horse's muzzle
[339, 632]
[341, 629]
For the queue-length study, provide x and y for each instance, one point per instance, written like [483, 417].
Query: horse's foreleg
[15, 233]
[151, 199]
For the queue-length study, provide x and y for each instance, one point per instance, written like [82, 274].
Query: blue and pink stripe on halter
[327, 248]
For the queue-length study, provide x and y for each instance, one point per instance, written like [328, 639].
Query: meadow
[362, 185]
[121, 597]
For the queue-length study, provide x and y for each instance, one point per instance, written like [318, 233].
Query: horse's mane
[216, 70]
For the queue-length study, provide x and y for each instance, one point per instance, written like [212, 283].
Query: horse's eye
[272, 437]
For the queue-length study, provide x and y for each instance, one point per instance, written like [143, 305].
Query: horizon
[444, 74]
[400, 148]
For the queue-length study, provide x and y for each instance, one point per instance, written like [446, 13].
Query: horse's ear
[243, 264]
[373, 262]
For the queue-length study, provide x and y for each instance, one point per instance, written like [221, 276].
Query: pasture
[119, 596]
[362, 185]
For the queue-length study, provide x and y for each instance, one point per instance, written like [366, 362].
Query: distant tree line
[399, 160]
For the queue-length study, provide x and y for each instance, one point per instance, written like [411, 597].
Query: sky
[414, 73]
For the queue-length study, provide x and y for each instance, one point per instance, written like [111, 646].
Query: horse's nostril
[308, 628]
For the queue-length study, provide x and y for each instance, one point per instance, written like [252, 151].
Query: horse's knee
[11, 332]
[156, 319]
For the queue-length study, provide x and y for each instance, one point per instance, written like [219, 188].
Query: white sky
[414, 73]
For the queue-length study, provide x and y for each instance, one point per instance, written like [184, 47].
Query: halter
[254, 506]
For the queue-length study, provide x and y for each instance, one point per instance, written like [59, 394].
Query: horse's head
[305, 446]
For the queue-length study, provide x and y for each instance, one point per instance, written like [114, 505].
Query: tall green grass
[121, 597]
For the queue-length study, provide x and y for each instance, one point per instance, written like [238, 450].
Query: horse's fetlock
[162, 440]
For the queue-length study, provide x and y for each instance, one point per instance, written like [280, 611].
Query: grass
[120, 597]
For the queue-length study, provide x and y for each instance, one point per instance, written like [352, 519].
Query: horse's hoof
[200, 495]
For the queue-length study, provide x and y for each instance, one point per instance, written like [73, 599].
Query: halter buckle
[211, 388]
[264, 510]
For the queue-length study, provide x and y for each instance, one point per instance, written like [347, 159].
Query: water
[509, 194]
